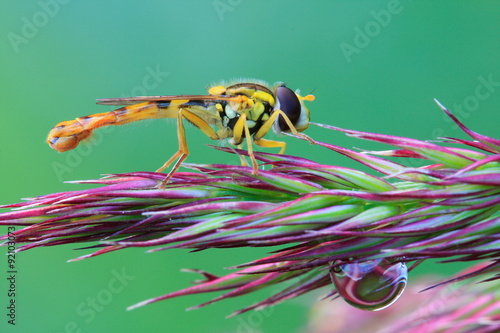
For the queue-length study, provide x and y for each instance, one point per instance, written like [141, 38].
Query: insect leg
[269, 123]
[242, 159]
[241, 127]
[183, 151]
[271, 144]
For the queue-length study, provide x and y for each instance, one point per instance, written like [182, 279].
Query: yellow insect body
[237, 111]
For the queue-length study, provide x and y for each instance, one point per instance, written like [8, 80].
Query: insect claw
[164, 182]
[307, 138]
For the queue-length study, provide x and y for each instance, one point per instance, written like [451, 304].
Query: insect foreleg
[269, 124]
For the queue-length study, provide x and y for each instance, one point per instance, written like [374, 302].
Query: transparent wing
[142, 99]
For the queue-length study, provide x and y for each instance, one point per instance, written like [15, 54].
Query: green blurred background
[373, 66]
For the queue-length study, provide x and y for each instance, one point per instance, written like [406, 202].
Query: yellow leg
[242, 160]
[181, 154]
[269, 123]
[240, 127]
[271, 144]
[183, 151]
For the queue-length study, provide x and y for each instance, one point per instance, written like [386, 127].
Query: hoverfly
[236, 112]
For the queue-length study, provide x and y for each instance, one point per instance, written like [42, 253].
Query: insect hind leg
[183, 151]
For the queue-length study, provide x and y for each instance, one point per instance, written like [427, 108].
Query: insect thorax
[257, 106]
[256, 114]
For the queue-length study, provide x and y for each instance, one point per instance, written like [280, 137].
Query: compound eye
[290, 105]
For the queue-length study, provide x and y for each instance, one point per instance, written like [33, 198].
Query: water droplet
[370, 285]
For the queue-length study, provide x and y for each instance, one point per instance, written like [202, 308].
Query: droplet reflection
[370, 285]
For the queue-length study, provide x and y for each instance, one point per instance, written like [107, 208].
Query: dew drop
[370, 285]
